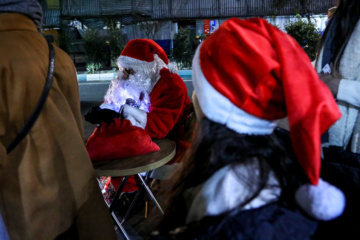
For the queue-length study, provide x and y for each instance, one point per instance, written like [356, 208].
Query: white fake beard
[136, 87]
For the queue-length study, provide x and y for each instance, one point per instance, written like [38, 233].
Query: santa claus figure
[148, 93]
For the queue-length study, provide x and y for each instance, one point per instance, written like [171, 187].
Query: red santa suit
[170, 104]
[157, 81]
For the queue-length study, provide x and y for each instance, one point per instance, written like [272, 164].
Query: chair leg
[137, 196]
[122, 229]
[133, 203]
[118, 224]
[150, 193]
[112, 205]
[118, 192]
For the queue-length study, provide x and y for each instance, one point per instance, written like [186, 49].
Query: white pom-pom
[173, 67]
[323, 201]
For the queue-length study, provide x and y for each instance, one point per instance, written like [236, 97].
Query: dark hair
[343, 22]
[216, 146]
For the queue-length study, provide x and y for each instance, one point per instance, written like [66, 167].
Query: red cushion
[119, 140]
[130, 186]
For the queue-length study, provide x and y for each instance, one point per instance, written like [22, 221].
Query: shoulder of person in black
[272, 221]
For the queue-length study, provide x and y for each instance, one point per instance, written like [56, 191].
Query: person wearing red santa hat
[169, 101]
[150, 94]
[238, 181]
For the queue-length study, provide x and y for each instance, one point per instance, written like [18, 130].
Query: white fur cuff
[110, 106]
[136, 116]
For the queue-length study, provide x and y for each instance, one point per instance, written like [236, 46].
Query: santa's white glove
[136, 116]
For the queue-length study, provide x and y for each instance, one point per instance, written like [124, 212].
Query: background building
[160, 20]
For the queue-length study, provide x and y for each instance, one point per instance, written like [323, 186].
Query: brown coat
[47, 183]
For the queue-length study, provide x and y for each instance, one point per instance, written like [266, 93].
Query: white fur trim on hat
[219, 109]
[322, 202]
[173, 67]
[137, 65]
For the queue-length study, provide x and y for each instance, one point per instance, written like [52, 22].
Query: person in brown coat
[48, 189]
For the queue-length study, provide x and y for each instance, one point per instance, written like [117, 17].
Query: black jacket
[271, 221]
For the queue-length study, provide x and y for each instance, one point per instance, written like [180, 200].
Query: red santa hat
[248, 74]
[145, 55]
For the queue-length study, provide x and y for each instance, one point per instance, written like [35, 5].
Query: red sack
[119, 140]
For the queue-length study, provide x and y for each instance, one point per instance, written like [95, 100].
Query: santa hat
[248, 74]
[145, 55]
